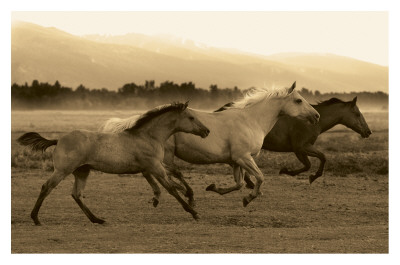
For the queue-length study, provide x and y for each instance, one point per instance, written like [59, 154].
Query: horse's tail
[35, 141]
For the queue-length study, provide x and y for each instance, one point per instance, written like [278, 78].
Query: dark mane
[224, 107]
[151, 114]
[323, 103]
[330, 102]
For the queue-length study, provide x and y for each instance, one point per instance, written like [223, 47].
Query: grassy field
[344, 211]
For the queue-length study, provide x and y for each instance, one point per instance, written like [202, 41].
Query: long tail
[35, 141]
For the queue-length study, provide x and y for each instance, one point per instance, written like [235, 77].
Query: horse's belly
[200, 157]
[114, 159]
[201, 151]
[116, 166]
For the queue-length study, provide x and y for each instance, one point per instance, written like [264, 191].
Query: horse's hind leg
[81, 175]
[154, 186]
[302, 156]
[47, 187]
[238, 176]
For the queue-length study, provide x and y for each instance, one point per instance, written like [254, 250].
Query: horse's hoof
[98, 221]
[36, 220]
[196, 216]
[155, 202]
[211, 187]
[245, 202]
[312, 178]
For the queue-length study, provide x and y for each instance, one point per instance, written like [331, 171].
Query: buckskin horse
[139, 148]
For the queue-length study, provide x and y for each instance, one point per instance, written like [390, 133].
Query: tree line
[39, 95]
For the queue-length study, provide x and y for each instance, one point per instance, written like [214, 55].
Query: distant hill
[48, 54]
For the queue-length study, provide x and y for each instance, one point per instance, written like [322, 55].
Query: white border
[205, 5]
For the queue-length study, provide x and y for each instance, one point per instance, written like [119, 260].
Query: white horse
[237, 134]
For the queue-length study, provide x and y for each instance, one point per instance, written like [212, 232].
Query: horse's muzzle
[366, 133]
[204, 133]
[313, 119]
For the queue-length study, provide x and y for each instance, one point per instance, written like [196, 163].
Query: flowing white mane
[255, 95]
[116, 125]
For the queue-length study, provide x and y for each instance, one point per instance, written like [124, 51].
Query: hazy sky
[361, 35]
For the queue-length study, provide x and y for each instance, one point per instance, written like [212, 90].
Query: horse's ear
[354, 101]
[186, 104]
[290, 90]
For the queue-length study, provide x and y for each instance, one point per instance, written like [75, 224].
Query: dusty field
[345, 211]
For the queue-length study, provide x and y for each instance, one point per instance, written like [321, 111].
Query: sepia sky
[360, 35]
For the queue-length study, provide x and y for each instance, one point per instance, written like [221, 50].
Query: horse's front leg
[238, 175]
[248, 163]
[168, 162]
[154, 186]
[186, 190]
[158, 171]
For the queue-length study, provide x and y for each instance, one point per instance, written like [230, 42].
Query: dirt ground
[333, 215]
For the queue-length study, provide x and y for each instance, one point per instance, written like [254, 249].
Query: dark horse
[290, 134]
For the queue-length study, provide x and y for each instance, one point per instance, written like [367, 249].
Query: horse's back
[84, 143]
[74, 140]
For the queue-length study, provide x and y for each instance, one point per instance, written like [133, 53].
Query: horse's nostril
[317, 116]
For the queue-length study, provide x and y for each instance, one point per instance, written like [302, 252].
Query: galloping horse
[293, 135]
[238, 135]
[139, 148]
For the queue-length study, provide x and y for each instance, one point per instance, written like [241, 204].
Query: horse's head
[296, 106]
[353, 119]
[189, 123]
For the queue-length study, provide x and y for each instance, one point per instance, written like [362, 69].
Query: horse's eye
[298, 101]
[191, 118]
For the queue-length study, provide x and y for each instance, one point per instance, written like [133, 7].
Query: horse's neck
[265, 114]
[329, 116]
[160, 128]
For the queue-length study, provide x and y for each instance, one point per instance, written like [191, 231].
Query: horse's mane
[254, 96]
[224, 107]
[116, 125]
[330, 102]
[151, 114]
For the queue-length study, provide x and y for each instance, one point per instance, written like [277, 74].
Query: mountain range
[106, 61]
